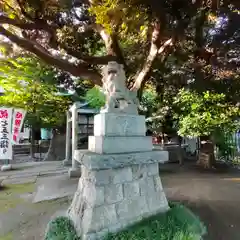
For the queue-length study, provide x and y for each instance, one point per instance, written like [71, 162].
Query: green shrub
[179, 223]
[61, 228]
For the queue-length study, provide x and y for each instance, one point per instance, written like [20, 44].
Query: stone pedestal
[74, 172]
[116, 190]
[112, 124]
[120, 183]
[109, 144]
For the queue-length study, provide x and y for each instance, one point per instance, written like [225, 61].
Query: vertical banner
[17, 123]
[5, 133]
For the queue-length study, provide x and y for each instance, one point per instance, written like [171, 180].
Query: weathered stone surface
[74, 172]
[121, 175]
[157, 183]
[95, 236]
[131, 208]
[93, 195]
[131, 189]
[49, 188]
[139, 171]
[113, 193]
[109, 145]
[157, 203]
[96, 161]
[112, 124]
[147, 186]
[119, 99]
[96, 219]
[102, 177]
[152, 169]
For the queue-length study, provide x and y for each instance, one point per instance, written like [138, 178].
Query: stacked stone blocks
[114, 198]
[117, 189]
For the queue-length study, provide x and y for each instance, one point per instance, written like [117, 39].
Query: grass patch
[7, 237]
[179, 223]
[10, 195]
[61, 228]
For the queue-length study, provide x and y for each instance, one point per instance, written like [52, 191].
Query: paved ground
[214, 196]
[32, 170]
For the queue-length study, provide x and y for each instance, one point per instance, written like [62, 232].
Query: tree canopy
[204, 114]
[30, 85]
[80, 36]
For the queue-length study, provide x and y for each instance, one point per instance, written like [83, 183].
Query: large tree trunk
[56, 150]
[206, 157]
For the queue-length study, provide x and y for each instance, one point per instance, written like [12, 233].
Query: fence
[229, 149]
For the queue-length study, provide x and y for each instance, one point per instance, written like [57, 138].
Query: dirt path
[28, 221]
[20, 218]
[215, 197]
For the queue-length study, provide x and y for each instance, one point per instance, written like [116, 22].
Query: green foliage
[30, 85]
[226, 145]
[61, 229]
[178, 223]
[148, 102]
[95, 97]
[202, 114]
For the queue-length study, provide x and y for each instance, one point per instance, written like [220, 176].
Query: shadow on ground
[213, 195]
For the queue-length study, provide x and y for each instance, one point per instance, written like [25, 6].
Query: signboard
[5, 133]
[17, 123]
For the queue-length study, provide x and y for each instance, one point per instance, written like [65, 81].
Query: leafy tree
[95, 97]
[202, 114]
[30, 85]
[205, 115]
[79, 36]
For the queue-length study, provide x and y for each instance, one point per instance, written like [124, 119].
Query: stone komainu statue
[119, 99]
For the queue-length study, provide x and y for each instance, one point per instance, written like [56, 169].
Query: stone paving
[30, 171]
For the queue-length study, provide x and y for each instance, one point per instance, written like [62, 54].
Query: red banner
[17, 123]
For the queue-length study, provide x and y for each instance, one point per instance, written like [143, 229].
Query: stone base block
[108, 145]
[6, 167]
[74, 172]
[67, 162]
[97, 161]
[109, 200]
[112, 124]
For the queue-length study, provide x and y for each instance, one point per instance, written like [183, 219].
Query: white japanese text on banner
[5, 133]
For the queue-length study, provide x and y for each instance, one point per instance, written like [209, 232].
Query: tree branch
[96, 60]
[143, 73]
[26, 26]
[79, 70]
[155, 50]
[112, 45]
